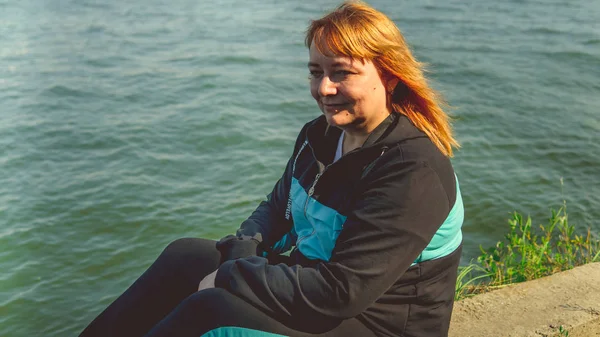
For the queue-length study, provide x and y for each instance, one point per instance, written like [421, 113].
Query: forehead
[328, 58]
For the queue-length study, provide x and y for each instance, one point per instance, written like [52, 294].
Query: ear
[391, 84]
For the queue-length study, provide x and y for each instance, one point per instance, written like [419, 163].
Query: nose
[327, 87]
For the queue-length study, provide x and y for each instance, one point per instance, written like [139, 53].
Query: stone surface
[535, 308]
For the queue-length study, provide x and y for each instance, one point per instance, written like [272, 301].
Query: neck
[355, 136]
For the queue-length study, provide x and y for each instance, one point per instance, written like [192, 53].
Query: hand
[208, 282]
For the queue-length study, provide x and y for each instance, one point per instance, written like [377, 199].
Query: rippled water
[125, 126]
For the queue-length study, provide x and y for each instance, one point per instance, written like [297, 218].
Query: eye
[341, 74]
[315, 74]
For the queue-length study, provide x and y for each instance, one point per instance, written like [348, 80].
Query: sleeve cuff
[233, 247]
[222, 277]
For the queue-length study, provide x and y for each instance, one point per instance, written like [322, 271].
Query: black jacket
[376, 235]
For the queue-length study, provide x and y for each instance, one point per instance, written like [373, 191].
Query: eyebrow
[334, 64]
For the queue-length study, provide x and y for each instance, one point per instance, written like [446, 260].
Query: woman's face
[350, 93]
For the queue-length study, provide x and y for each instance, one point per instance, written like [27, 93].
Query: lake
[126, 125]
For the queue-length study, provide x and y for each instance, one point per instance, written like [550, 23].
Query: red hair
[358, 31]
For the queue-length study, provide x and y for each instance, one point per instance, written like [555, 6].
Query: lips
[333, 106]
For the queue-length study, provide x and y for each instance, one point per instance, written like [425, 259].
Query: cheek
[314, 91]
[352, 95]
[373, 95]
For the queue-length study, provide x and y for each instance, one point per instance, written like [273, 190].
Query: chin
[337, 119]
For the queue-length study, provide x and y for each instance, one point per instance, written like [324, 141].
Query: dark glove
[234, 247]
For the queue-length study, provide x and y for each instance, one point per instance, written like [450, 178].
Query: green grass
[563, 331]
[527, 253]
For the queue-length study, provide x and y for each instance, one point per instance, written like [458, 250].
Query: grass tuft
[528, 253]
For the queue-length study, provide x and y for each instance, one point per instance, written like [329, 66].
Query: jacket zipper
[311, 190]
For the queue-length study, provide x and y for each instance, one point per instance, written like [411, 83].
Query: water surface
[126, 126]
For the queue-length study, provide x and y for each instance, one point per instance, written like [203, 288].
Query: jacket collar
[384, 128]
[396, 128]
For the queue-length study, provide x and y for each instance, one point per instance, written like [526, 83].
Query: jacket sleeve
[394, 218]
[268, 222]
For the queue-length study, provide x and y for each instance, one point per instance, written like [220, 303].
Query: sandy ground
[570, 299]
[590, 329]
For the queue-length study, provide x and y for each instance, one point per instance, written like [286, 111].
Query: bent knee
[180, 245]
[190, 250]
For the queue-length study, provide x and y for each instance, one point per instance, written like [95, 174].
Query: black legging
[164, 301]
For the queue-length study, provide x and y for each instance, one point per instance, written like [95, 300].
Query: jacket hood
[391, 131]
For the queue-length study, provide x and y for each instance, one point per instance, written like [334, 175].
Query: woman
[368, 200]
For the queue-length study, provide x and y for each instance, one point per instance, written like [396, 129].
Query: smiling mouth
[333, 106]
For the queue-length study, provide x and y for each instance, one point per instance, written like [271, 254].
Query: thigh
[216, 312]
[189, 260]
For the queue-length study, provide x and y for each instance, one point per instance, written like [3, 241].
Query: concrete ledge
[535, 308]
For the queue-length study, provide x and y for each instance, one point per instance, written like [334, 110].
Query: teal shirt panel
[449, 236]
[232, 331]
[316, 225]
